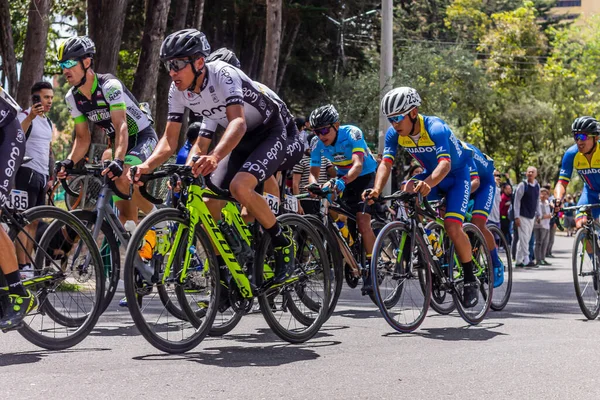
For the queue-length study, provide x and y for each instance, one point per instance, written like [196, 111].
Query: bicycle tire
[84, 325]
[442, 301]
[309, 235]
[402, 274]
[485, 280]
[112, 269]
[499, 304]
[590, 312]
[198, 333]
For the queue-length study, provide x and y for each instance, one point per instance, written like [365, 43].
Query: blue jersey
[183, 152]
[436, 142]
[349, 141]
[481, 166]
[588, 171]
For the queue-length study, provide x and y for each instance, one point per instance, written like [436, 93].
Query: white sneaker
[26, 272]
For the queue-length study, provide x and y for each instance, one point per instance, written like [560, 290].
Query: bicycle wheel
[442, 301]
[484, 274]
[403, 287]
[336, 263]
[502, 292]
[109, 250]
[88, 188]
[585, 272]
[147, 256]
[312, 278]
[67, 278]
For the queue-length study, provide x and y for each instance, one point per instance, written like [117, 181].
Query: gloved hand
[340, 185]
[61, 168]
[116, 167]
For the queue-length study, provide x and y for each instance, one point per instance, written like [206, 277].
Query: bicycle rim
[585, 274]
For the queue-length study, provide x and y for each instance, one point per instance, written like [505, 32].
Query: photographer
[33, 176]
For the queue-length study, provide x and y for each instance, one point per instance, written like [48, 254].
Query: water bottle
[238, 246]
[434, 239]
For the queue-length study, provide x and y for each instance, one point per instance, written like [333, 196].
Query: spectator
[505, 202]
[542, 227]
[33, 177]
[414, 169]
[569, 215]
[552, 226]
[301, 172]
[526, 201]
[191, 137]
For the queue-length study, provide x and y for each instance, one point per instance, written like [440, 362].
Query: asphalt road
[541, 346]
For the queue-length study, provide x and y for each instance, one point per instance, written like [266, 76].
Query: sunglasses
[581, 136]
[68, 64]
[177, 65]
[497, 176]
[322, 131]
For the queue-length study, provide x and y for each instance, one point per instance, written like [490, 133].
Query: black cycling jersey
[108, 94]
[12, 144]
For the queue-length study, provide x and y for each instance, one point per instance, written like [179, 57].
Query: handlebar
[93, 170]
[407, 197]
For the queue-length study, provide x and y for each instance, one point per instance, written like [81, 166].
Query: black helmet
[76, 48]
[323, 116]
[224, 54]
[586, 125]
[184, 43]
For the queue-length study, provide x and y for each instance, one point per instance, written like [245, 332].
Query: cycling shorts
[456, 187]
[140, 146]
[260, 153]
[588, 196]
[294, 148]
[12, 150]
[34, 184]
[484, 199]
[352, 196]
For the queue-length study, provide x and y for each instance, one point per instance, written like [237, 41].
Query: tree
[146, 75]
[34, 52]
[7, 48]
[105, 24]
[273, 45]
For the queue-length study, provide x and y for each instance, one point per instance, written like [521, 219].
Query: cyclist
[446, 162]
[483, 190]
[252, 146]
[104, 100]
[12, 147]
[583, 156]
[346, 148]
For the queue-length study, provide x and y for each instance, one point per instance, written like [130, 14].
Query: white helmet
[400, 101]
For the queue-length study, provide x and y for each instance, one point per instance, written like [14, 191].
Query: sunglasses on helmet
[177, 65]
[322, 131]
[68, 64]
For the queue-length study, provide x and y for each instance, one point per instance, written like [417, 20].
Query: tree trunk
[273, 43]
[179, 10]
[146, 74]
[7, 48]
[198, 14]
[34, 52]
[106, 19]
[286, 57]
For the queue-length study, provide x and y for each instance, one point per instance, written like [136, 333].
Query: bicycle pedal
[13, 328]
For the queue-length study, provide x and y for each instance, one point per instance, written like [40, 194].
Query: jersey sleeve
[113, 92]
[315, 154]
[230, 84]
[208, 128]
[357, 139]
[391, 145]
[176, 105]
[566, 168]
[77, 115]
[440, 133]
[473, 169]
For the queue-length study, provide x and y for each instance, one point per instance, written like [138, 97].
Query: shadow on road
[481, 332]
[239, 356]
[29, 357]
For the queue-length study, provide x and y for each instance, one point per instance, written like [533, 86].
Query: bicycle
[66, 265]
[443, 305]
[187, 260]
[397, 272]
[585, 261]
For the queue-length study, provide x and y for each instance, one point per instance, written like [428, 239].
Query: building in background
[571, 9]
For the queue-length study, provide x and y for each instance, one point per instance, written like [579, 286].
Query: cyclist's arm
[564, 176]
[357, 167]
[314, 174]
[475, 182]
[203, 144]
[119, 121]
[331, 171]
[166, 146]
[383, 174]
[439, 173]
[296, 183]
[82, 142]
[560, 190]
[236, 129]
[389, 154]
